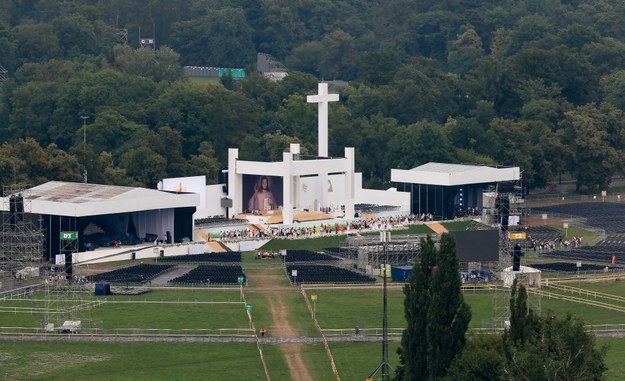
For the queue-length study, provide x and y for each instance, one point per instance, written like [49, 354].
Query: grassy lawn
[344, 308]
[460, 225]
[616, 288]
[299, 318]
[129, 361]
[174, 316]
[356, 361]
[614, 357]
[314, 244]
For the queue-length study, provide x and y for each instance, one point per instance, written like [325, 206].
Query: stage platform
[274, 217]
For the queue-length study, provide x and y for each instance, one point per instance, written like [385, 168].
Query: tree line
[524, 83]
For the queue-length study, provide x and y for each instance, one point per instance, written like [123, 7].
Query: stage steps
[437, 228]
[260, 227]
[218, 247]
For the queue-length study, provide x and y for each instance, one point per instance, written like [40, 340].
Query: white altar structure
[319, 185]
[302, 188]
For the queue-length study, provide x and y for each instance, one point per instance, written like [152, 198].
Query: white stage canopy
[454, 174]
[80, 199]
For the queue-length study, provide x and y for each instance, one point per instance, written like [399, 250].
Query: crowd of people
[364, 224]
[559, 244]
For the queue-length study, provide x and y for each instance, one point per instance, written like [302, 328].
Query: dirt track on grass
[281, 327]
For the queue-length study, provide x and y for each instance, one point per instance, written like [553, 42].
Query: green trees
[522, 83]
[533, 348]
[436, 313]
[222, 38]
[549, 348]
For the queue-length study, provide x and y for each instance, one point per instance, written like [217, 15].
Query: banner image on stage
[262, 193]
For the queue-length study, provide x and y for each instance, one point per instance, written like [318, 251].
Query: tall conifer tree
[436, 313]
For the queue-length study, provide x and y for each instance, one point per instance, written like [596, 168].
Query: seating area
[211, 275]
[325, 274]
[615, 242]
[569, 267]
[216, 221]
[609, 216]
[538, 234]
[220, 257]
[599, 254]
[307, 256]
[336, 251]
[371, 208]
[135, 274]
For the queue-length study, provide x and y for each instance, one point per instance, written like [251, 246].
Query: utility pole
[385, 237]
[84, 145]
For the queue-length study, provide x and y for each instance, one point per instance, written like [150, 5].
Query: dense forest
[538, 84]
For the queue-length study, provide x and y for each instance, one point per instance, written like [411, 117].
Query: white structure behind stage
[444, 174]
[528, 276]
[321, 184]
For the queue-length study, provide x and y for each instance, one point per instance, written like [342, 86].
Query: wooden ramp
[203, 235]
[437, 228]
[217, 247]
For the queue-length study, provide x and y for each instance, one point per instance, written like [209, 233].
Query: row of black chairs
[307, 256]
[210, 274]
[373, 208]
[135, 274]
[225, 257]
[216, 221]
[600, 254]
[609, 216]
[325, 274]
[568, 267]
[538, 234]
[615, 241]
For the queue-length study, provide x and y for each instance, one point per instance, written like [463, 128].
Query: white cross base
[322, 99]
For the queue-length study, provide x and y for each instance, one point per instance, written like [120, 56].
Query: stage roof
[454, 174]
[79, 199]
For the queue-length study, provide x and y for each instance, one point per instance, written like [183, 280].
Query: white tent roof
[523, 269]
[79, 199]
[454, 174]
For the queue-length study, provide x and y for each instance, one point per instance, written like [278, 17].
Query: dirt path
[272, 285]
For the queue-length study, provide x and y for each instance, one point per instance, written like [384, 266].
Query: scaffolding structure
[68, 307]
[368, 252]
[506, 207]
[21, 232]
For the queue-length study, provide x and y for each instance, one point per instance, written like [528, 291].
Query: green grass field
[38, 361]
[187, 309]
[337, 308]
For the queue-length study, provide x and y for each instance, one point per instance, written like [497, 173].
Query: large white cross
[322, 99]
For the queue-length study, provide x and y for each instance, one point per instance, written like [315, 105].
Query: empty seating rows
[538, 234]
[325, 274]
[371, 208]
[134, 274]
[563, 267]
[210, 274]
[616, 241]
[609, 216]
[225, 257]
[600, 254]
[307, 256]
[217, 221]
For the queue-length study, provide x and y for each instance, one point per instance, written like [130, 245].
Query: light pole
[385, 237]
[84, 144]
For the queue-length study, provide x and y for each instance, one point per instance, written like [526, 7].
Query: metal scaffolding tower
[507, 206]
[369, 252]
[21, 232]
